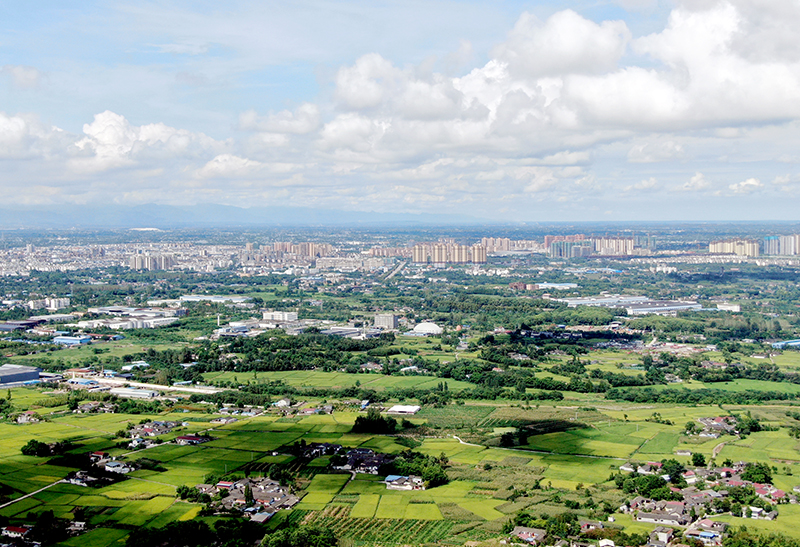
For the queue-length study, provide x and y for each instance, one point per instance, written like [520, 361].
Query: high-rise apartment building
[478, 254]
[782, 245]
[739, 247]
[151, 262]
[439, 254]
[386, 321]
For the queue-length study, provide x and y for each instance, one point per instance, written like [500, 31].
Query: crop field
[335, 380]
[538, 419]
[455, 416]
[614, 441]
[734, 385]
[568, 446]
[763, 446]
[383, 531]
[99, 537]
[788, 360]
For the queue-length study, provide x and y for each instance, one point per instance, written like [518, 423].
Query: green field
[589, 445]
[300, 378]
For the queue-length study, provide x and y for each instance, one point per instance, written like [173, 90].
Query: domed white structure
[428, 328]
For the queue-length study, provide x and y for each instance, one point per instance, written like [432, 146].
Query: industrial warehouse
[18, 375]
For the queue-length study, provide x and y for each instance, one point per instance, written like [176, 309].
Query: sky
[507, 111]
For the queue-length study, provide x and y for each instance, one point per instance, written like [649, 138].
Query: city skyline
[507, 112]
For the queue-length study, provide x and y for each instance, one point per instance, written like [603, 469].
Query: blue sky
[603, 110]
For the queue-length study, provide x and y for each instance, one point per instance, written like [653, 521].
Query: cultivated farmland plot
[577, 443]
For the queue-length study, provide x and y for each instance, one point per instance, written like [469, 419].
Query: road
[12, 502]
[395, 271]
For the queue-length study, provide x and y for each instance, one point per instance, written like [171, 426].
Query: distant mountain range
[168, 216]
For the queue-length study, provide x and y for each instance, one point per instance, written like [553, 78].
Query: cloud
[538, 178]
[365, 84]
[228, 166]
[562, 106]
[644, 185]
[746, 186]
[565, 158]
[696, 183]
[25, 137]
[564, 44]
[112, 142]
[652, 152]
[305, 119]
[24, 77]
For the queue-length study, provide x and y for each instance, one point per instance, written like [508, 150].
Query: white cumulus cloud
[564, 44]
[696, 183]
[746, 186]
[228, 166]
[111, 141]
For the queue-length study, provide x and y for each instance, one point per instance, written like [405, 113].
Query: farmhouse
[153, 429]
[268, 496]
[534, 536]
[191, 439]
[28, 417]
[16, 531]
[670, 519]
[397, 482]
[117, 467]
[707, 532]
[660, 537]
[650, 468]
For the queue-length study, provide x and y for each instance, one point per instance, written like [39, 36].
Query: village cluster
[707, 532]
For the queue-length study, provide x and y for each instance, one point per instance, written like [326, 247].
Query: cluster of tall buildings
[739, 247]
[448, 253]
[578, 245]
[307, 249]
[770, 245]
[504, 244]
[782, 245]
[48, 304]
[403, 252]
[151, 262]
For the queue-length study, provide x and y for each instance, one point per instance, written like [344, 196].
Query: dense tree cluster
[37, 448]
[375, 423]
[198, 533]
[432, 470]
[696, 396]
[301, 536]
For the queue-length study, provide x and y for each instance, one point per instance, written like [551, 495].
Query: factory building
[133, 393]
[17, 374]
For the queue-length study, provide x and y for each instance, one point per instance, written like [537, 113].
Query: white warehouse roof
[428, 328]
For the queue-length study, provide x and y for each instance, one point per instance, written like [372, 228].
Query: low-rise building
[534, 536]
[411, 482]
[133, 393]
